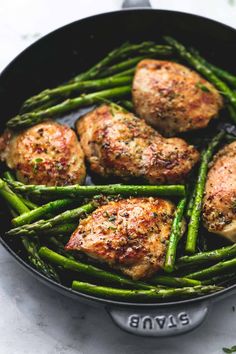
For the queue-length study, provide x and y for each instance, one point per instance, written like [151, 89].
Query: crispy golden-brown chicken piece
[48, 153]
[219, 207]
[173, 98]
[116, 143]
[130, 235]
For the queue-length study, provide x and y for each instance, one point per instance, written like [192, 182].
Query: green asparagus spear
[32, 250]
[223, 74]
[127, 105]
[62, 229]
[171, 281]
[142, 295]
[128, 72]
[203, 69]
[59, 247]
[29, 119]
[218, 268]
[87, 269]
[11, 198]
[120, 67]
[31, 246]
[44, 225]
[8, 176]
[175, 235]
[205, 257]
[190, 191]
[41, 212]
[151, 52]
[65, 91]
[219, 279]
[200, 186]
[77, 190]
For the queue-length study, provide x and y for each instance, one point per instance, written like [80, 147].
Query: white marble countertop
[33, 318]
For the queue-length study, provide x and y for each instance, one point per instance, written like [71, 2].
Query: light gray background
[37, 320]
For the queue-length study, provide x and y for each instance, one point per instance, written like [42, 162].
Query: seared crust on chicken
[116, 143]
[173, 98]
[130, 235]
[48, 153]
[219, 206]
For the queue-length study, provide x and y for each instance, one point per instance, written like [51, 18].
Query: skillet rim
[53, 284]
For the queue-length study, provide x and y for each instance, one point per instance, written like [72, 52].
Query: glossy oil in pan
[74, 48]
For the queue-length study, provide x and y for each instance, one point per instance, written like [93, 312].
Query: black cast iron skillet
[72, 49]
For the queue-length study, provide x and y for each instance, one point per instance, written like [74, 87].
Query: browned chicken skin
[116, 143]
[173, 98]
[130, 235]
[48, 153]
[219, 207]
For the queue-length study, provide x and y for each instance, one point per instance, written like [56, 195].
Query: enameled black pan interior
[75, 47]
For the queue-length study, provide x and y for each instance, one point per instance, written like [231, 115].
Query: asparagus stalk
[63, 229]
[173, 281]
[203, 69]
[205, 257]
[12, 199]
[214, 270]
[60, 248]
[77, 190]
[120, 67]
[40, 107]
[127, 105]
[128, 72]
[150, 52]
[89, 270]
[30, 246]
[219, 279]
[41, 212]
[175, 235]
[8, 176]
[143, 295]
[223, 74]
[29, 119]
[191, 191]
[34, 258]
[45, 225]
[65, 91]
[194, 222]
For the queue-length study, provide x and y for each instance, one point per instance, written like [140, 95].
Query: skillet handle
[160, 321]
[135, 3]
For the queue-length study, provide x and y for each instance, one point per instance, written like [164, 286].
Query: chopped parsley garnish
[36, 162]
[230, 350]
[112, 218]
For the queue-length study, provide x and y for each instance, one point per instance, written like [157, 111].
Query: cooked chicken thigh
[47, 153]
[173, 98]
[219, 206]
[116, 143]
[130, 235]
